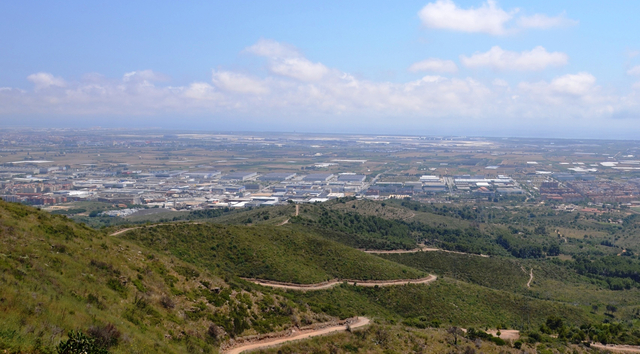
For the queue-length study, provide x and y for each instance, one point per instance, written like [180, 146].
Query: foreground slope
[57, 276]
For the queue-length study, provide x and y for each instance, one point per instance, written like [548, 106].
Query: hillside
[267, 252]
[175, 288]
[57, 276]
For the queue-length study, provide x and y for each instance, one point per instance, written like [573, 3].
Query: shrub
[105, 336]
[79, 343]
[167, 303]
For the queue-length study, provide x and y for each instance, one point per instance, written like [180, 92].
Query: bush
[166, 302]
[498, 340]
[79, 343]
[105, 336]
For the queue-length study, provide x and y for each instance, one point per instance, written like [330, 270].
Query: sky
[442, 67]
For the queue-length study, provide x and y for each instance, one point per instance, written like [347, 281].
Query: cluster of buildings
[175, 189]
[595, 191]
[486, 186]
[203, 187]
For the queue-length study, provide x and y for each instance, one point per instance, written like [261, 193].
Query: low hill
[267, 252]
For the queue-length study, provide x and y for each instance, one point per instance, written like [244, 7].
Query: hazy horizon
[475, 68]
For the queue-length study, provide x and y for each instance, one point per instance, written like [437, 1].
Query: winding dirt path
[124, 230]
[530, 278]
[332, 283]
[421, 249]
[284, 222]
[512, 334]
[154, 225]
[360, 322]
[617, 348]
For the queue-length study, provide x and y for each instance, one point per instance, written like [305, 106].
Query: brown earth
[332, 283]
[421, 249]
[299, 335]
[617, 348]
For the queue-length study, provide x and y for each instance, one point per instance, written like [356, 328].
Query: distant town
[132, 172]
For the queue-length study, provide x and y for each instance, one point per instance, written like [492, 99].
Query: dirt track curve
[616, 348]
[360, 322]
[154, 225]
[421, 249]
[332, 283]
[530, 278]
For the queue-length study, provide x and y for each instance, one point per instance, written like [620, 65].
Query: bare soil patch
[298, 335]
[332, 283]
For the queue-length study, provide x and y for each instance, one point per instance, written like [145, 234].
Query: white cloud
[299, 68]
[335, 100]
[634, 71]
[581, 85]
[573, 84]
[500, 83]
[435, 65]
[542, 21]
[488, 18]
[45, 80]
[536, 59]
[236, 82]
[286, 60]
[200, 91]
[273, 49]
[144, 75]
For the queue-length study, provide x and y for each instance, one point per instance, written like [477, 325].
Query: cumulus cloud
[573, 84]
[335, 99]
[497, 58]
[144, 75]
[634, 71]
[236, 82]
[489, 18]
[542, 21]
[45, 80]
[435, 65]
[445, 14]
[286, 60]
[581, 85]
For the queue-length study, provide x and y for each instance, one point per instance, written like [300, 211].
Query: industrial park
[129, 173]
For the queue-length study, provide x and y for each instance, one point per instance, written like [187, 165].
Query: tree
[455, 331]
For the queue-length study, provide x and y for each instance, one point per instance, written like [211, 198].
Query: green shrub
[79, 343]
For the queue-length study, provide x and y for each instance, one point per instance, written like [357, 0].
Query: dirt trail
[422, 249]
[124, 230]
[505, 333]
[360, 322]
[154, 225]
[530, 278]
[284, 222]
[287, 221]
[332, 283]
[617, 348]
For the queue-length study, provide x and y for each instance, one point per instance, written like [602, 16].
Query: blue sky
[514, 68]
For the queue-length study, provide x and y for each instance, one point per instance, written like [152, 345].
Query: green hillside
[268, 252]
[175, 288]
[57, 276]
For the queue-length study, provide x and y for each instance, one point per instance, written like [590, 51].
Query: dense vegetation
[268, 252]
[175, 287]
[372, 232]
[67, 286]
